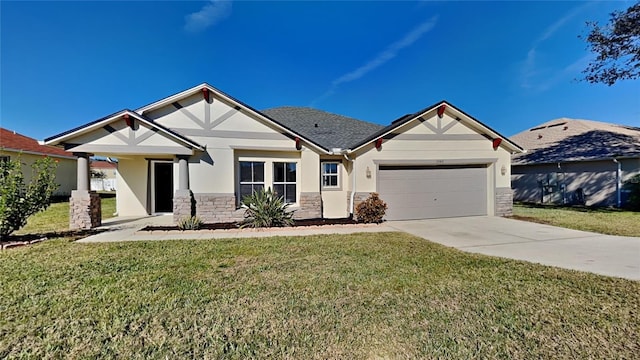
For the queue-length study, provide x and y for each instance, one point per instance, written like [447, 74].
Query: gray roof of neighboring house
[327, 129]
[564, 139]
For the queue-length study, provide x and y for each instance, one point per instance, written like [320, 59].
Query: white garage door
[418, 192]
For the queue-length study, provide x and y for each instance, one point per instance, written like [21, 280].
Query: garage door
[418, 192]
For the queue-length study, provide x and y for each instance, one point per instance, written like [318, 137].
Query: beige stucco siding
[435, 142]
[559, 183]
[132, 194]
[118, 138]
[335, 201]
[66, 170]
[229, 134]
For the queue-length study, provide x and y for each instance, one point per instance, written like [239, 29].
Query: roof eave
[506, 143]
[605, 158]
[195, 89]
[61, 138]
[38, 153]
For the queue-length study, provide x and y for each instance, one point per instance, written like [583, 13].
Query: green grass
[56, 217]
[361, 296]
[604, 221]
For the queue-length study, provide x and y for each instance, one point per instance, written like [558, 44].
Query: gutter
[618, 182]
[353, 182]
[344, 152]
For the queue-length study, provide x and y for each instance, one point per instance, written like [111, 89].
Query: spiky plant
[190, 223]
[264, 208]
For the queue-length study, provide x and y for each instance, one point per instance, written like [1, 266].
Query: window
[330, 174]
[251, 178]
[284, 180]
[5, 159]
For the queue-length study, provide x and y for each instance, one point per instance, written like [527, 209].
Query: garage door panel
[423, 193]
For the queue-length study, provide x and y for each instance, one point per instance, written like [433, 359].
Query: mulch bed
[235, 225]
[21, 240]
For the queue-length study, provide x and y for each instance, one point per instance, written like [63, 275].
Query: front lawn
[56, 217]
[361, 296]
[604, 221]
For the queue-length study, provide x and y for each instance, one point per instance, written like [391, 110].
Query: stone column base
[504, 202]
[310, 206]
[183, 205]
[85, 211]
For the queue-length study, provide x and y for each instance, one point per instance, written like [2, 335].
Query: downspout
[353, 182]
[618, 182]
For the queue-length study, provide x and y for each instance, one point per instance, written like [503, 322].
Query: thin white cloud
[570, 71]
[530, 68]
[551, 29]
[210, 14]
[389, 53]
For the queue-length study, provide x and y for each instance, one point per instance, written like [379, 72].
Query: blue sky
[511, 65]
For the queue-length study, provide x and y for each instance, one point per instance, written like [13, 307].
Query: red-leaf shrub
[371, 210]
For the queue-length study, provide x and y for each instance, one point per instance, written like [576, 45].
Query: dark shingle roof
[566, 139]
[327, 129]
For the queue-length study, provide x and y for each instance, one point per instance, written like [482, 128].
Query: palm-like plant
[264, 208]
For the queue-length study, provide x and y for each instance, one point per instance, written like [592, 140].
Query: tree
[19, 201]
[617, 46]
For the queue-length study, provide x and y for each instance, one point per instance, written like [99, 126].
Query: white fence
[103, 184]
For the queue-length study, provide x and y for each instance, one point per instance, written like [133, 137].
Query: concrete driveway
[549, 245]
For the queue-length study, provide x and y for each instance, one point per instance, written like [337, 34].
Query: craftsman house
[200, 151]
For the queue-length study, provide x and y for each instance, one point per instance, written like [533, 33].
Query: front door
[162, 187]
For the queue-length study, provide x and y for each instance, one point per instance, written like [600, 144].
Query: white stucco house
[198, 152]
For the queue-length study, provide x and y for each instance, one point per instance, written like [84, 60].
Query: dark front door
[163, 187]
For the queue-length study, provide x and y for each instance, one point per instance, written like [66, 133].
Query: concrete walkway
[127, 229]
[549, 245]
[570, 249]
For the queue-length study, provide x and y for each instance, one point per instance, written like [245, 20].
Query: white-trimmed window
[284, 180]
[251, 178]
[331, 174]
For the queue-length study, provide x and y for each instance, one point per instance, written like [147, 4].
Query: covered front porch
[152, 173]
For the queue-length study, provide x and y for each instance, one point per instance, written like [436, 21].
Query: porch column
[85, 211]
[183, 173]
[83, 172]
[183, 202]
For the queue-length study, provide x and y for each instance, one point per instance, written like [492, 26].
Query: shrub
[190, 223]
[633, 185]
[264, 208]
[371, 210]
[17, 201]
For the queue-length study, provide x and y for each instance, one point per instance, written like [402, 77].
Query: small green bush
[19, 201]
[190, 223]
[371, 210]
[265, 208]
[633, 185]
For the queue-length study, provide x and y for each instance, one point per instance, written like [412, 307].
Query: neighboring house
[14, 146]
[200, 151]
[575, 162]
[103, 175]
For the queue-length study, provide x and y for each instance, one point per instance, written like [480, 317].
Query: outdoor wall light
[503, 170]
[368, 173]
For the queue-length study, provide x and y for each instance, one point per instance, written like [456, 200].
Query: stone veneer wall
[504, 202]
[221, 208]
[310, 206]
[85, 211]
[217, 208]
